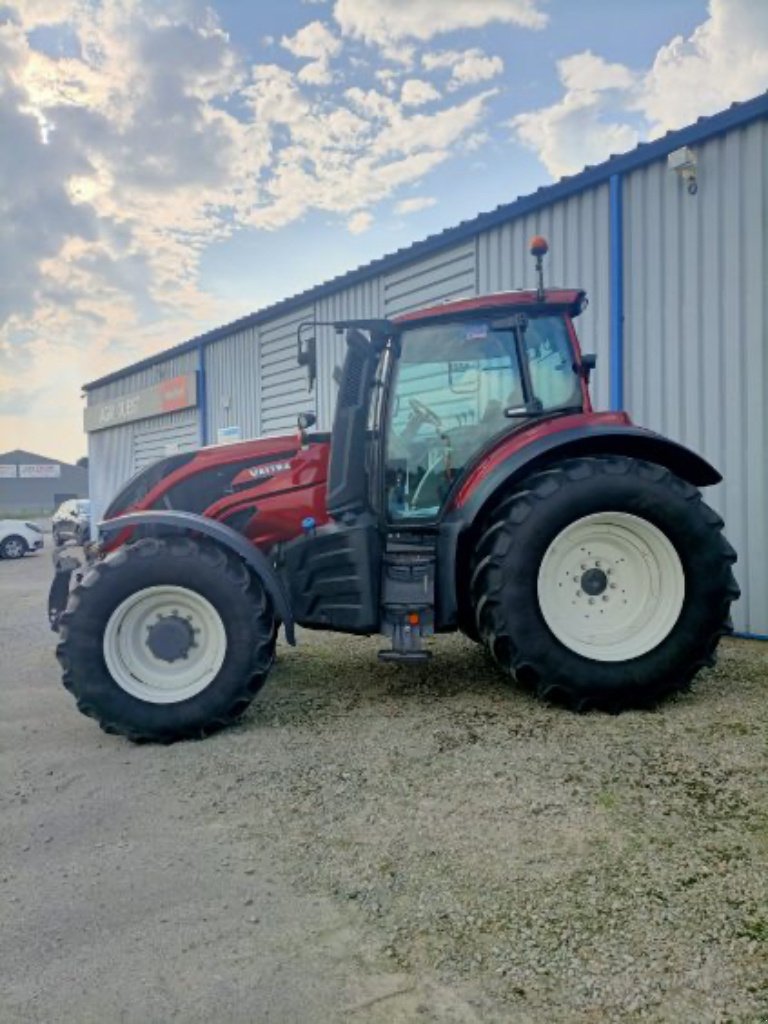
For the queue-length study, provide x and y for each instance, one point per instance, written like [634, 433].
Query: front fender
[252, 556]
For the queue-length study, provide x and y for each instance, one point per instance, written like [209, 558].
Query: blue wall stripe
[616, 244]
[202, 395]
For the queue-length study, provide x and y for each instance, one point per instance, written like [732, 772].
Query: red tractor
[467, 485]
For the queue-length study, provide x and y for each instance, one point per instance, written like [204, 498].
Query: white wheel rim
[14, 549]
[138, 670]
[611, 586]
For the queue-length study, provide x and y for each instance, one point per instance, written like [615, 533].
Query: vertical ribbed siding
[696, 330]
[577, 230]
[451, 274]
[232, 384]
[364, 301]
[164, 435]
[282, 382]
[110, 464]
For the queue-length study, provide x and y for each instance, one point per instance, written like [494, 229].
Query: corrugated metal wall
[696, 331]
[232, 384]
[282, 382]
[451, 274]
[577, 230]
[165, 435]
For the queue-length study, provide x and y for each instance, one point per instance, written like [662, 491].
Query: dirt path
[374, 844]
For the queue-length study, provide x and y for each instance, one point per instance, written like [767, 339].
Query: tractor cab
[422, 401]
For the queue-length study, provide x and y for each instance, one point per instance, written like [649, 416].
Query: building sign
[6, 471]
[40, 471]
[166, 396]
[225, 435]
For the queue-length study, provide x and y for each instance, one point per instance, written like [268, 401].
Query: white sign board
[6, 471]
[228, 434]
[41, 471]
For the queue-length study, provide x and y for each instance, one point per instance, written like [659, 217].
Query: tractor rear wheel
[166, 639]
[604, 583]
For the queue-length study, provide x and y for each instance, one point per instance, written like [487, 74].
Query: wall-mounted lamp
[683, 162]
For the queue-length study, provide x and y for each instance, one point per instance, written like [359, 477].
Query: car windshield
[454, 383]
[84, 507]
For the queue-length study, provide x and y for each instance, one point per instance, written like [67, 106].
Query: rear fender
[189, 522]
[510, 463]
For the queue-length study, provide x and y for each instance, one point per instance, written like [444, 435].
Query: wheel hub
[594, 582]
[171, 637]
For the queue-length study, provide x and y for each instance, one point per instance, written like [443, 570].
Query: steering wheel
[425, 413]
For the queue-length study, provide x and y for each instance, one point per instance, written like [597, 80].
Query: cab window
[452, 385]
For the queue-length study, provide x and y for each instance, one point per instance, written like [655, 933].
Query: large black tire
[201, 567]
[13, 547]
[518, 534]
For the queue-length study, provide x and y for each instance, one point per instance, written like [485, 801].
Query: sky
[167, 166]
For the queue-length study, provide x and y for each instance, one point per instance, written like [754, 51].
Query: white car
[17, 538]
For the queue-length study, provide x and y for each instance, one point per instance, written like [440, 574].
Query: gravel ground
[374, 843]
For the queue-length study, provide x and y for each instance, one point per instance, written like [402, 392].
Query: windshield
[453, 384]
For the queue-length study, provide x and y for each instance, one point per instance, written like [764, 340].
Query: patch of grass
[755, 928]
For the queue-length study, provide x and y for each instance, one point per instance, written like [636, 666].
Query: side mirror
[306, 354]
[306, 420]
[587, 365]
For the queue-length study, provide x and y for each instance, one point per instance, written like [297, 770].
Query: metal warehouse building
[671, 243]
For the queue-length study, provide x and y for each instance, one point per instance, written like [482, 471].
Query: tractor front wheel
[603, 583]
[166, 639]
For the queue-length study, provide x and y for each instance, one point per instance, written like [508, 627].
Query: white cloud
[416, 92]
[318, 44]
[386, 21]
[467, 66]
[724, 60]
[314, 41]
[579, 129]
[607, 108]
[413, 205]
[359, 222]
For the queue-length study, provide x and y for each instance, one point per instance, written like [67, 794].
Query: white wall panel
[696, 331]
[450, 274]
[282, 382]
[232, 384]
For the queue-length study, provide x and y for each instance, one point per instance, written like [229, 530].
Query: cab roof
[569, 300]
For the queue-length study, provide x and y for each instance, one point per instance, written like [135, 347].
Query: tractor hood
[194, 480]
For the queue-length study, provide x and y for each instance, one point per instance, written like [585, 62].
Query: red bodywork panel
[281, 480]
[571, 299]
[509, 445]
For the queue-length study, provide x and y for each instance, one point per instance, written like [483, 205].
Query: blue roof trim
[737, 115]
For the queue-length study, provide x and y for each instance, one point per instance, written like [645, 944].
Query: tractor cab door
[334, 572]
[456, 386]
